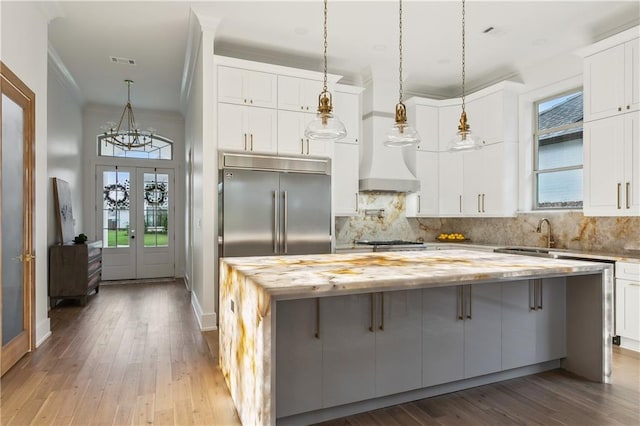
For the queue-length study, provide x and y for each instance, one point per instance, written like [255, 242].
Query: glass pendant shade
[464, 140]
[325, 127]
[401, 134]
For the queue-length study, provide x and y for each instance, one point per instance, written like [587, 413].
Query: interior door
[16, 213]
[136, 222]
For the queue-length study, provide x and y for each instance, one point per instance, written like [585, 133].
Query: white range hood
[383, 168]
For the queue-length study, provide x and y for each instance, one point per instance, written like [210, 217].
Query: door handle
[276, 229]
[285, 217]
[540, 285]
[532, 305]
[470, 303]
[460, 201]
[251, 137]
[419, 209]
[483, 203]
[245, 140]
[301, 145]
[460, 303]
[479, 203]
[307, 146]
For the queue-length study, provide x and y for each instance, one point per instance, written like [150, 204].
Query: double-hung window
[557, 155]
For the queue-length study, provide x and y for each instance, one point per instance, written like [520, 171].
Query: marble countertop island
[252, 287]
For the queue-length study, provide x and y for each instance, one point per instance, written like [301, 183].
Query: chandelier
[401, 134]
[126, 134]
[464, 140]
[325, 126]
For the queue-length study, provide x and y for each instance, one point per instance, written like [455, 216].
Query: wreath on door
[155, 193]
[116, 196]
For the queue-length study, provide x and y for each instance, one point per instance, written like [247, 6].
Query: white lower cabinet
[298, 358]
[628, 304]
[533, 322]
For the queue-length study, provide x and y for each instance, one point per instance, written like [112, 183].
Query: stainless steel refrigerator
[274, 205]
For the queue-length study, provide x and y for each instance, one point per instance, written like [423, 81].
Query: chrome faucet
[550, 242]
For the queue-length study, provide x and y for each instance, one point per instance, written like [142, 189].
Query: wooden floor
[134, 355]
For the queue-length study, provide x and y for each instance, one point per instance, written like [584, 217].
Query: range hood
[383, 168]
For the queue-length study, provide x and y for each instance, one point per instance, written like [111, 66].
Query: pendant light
[401, 134]
[325, 126]
[464, 140]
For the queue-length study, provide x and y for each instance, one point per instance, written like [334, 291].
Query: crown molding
[63, 74]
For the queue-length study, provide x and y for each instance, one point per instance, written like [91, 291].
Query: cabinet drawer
[628, 271]
[94, 252]
[94, 267]
[94, 280]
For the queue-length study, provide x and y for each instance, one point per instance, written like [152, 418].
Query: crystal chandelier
[401, 134]
[325, 126]
[464, 140]
[126, 134]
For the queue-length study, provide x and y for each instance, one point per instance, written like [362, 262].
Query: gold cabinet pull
[483, 203]
[619, 188]
[540, 284]
[301, 145]
[460, 201]
[419, 209]
[470, 303]
[307, 146]
[381, 312]
[371, 329]
[478, 203]
[317, 335]
[628, 194]
[245, 141]
[460, 303]
[251, 136]
[532, 304]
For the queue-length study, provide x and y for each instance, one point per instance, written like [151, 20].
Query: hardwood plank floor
[134, 355]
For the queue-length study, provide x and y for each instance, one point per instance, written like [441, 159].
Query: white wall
[24, 51]
[64, 148]
[167, 124]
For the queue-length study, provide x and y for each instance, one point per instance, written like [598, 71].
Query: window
[158, 148]
[557, 155]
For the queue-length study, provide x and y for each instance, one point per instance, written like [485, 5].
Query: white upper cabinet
[424, 118]
[246, 87]
[298, 94]
[612, 166]
[346, 106]
[249, 129]
[494, 117]
[291, 139]
[448, 118]
[450, 185]
[612, 81]
[425, 202]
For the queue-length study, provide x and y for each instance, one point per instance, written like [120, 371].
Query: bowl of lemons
[451, 237]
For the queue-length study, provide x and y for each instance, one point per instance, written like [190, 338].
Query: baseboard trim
[206, 322]
[43, 331]
[629, 345]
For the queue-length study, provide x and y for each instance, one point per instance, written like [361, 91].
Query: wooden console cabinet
[75, 270]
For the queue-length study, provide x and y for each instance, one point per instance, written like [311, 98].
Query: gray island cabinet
[309, 338]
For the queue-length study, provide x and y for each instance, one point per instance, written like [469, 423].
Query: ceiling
[362, 35]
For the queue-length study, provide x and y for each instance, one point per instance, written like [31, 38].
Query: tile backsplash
[570, 229]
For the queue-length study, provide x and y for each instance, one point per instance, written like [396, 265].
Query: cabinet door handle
[532, 304]
[478, 203]
[317, 335]
[301, 145]
[460, 303]
[251, 101]
[540, 294]
[371, 329]
[483, 203]
[628, 195]
[419, 209]
[619, 188]
[619, 108]
[276, 231]
[245, 141]
[307, 146]
[381, 311]
[470, 303]
[251, 136]
[460, 201]
[628, 106]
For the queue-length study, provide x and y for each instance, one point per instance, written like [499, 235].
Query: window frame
[536, 135]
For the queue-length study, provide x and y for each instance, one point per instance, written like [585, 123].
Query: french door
[17, 266]
[135, 220]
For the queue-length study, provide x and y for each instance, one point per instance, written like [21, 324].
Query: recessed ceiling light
[379, 47]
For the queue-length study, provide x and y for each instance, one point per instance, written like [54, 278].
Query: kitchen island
[307, 338]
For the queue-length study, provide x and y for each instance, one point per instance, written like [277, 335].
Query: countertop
[284, 277]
